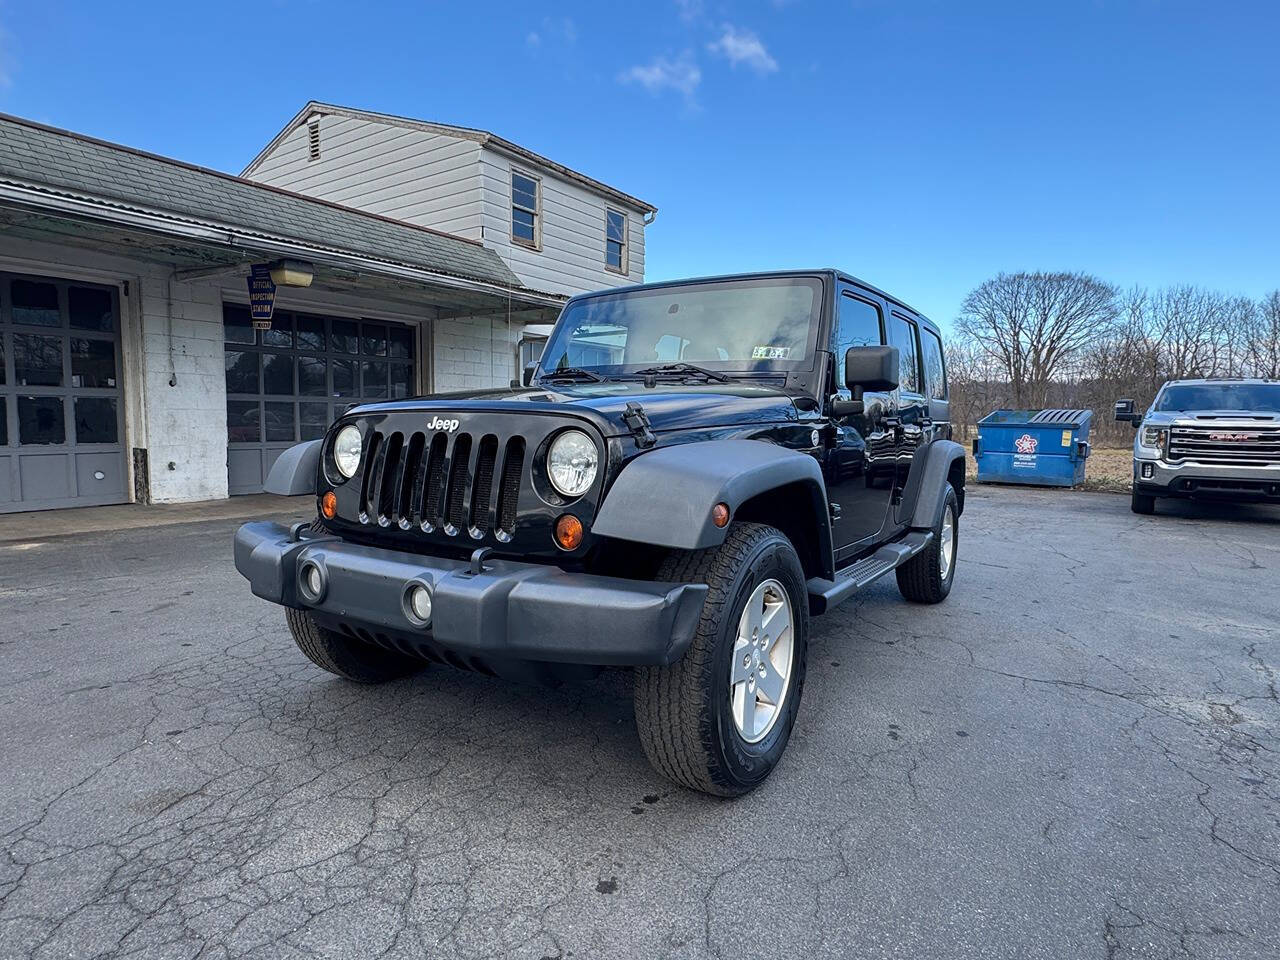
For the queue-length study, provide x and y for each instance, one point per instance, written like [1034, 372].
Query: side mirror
[1125, 413]
[527, 375]
[870, 368]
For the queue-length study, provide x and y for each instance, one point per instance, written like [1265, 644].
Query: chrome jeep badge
[446, 425]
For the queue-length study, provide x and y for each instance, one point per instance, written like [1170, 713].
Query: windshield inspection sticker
[770, 353]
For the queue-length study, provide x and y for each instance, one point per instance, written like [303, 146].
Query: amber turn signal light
[329, 505]
[720, 514]
[568, 532]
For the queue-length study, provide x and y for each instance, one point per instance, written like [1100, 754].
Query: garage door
[288, 383]
[61, 412]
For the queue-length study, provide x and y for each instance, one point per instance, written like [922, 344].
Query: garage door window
[40, 421]
[289, 383]
[35, 303]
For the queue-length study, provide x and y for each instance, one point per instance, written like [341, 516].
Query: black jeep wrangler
[690, 472]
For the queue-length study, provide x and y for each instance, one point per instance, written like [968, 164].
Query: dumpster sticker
[1066, 438]
[1025, 458]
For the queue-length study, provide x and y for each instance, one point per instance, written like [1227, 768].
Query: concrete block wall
[184, 390]
[472, 353]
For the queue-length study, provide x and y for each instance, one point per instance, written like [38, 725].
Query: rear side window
[903, 336]
[859, 326]
[935, 371]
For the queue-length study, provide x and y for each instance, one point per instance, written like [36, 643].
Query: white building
[560, 231]
[129, 371]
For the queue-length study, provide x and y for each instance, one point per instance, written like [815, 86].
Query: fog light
[1148, 471]
[312, 582]
[568, 532]
[420, 603]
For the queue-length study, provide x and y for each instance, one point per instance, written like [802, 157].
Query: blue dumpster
[1041, 447]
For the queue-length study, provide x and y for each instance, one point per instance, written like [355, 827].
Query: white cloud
[743, 47]
[680, 74]
[553, 31]
[689, 9]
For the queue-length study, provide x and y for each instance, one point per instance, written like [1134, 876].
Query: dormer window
[615, 241]
[526, 210]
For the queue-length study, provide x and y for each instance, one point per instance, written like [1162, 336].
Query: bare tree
[1264, 340]
[974, 386]
[1033, 325]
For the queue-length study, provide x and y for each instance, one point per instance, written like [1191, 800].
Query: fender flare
[295, 471]
[929, 481]
[665, 497]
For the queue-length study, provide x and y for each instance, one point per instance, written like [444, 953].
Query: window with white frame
[615, 241]
[526, 210]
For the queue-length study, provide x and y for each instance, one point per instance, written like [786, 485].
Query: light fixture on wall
[292, 273]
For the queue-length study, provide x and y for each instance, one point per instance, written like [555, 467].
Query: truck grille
[442, 482]
[1244, 446]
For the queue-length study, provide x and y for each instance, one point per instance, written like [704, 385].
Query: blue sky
[921, 144]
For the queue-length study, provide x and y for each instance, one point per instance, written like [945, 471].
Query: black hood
[668, 406]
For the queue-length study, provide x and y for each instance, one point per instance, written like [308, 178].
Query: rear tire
[927, 577]
[690, 714]
[347, 657]
[1142, 503]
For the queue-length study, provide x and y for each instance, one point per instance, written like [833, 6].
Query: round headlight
[572, 462]
[346, 451]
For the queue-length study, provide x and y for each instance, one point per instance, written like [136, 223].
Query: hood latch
[638, 421]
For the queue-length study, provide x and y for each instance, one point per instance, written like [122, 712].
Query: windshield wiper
[571, 373]
[676, 369]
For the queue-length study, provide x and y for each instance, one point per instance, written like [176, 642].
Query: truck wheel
[347, 657]
[719, 719]
[1142, 503]
[927, 577]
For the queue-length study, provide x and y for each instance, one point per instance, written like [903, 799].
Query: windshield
[764, 324]
[1262, 397]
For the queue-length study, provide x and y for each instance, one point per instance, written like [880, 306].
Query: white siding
[456, 185]
[573, 221]
[428, 179]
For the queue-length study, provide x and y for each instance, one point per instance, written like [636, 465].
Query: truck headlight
[572, 462]
[1154, 437]
[347, 447]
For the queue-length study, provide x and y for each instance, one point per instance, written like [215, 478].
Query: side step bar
[825, 594]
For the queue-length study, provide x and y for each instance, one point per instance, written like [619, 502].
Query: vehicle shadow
[1251, 513]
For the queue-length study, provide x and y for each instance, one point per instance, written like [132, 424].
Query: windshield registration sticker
[770, 353]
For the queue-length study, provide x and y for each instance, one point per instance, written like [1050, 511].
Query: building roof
[65, 170]
[483, 137]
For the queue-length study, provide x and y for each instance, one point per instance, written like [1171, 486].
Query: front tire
[347, 657]
[719, 719]
[927, 577]
[1142, 503]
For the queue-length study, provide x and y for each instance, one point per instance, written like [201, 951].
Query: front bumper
[1209, 481]
[509, 611]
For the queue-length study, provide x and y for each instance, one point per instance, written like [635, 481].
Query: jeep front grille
[442, 482]
[1243, 446]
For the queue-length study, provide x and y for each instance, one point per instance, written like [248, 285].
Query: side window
[615, 241]
[858, 326]
[935, 371]
[526, 210]
[904, 338]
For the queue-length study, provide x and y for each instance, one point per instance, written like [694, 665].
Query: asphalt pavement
[1075, 756]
